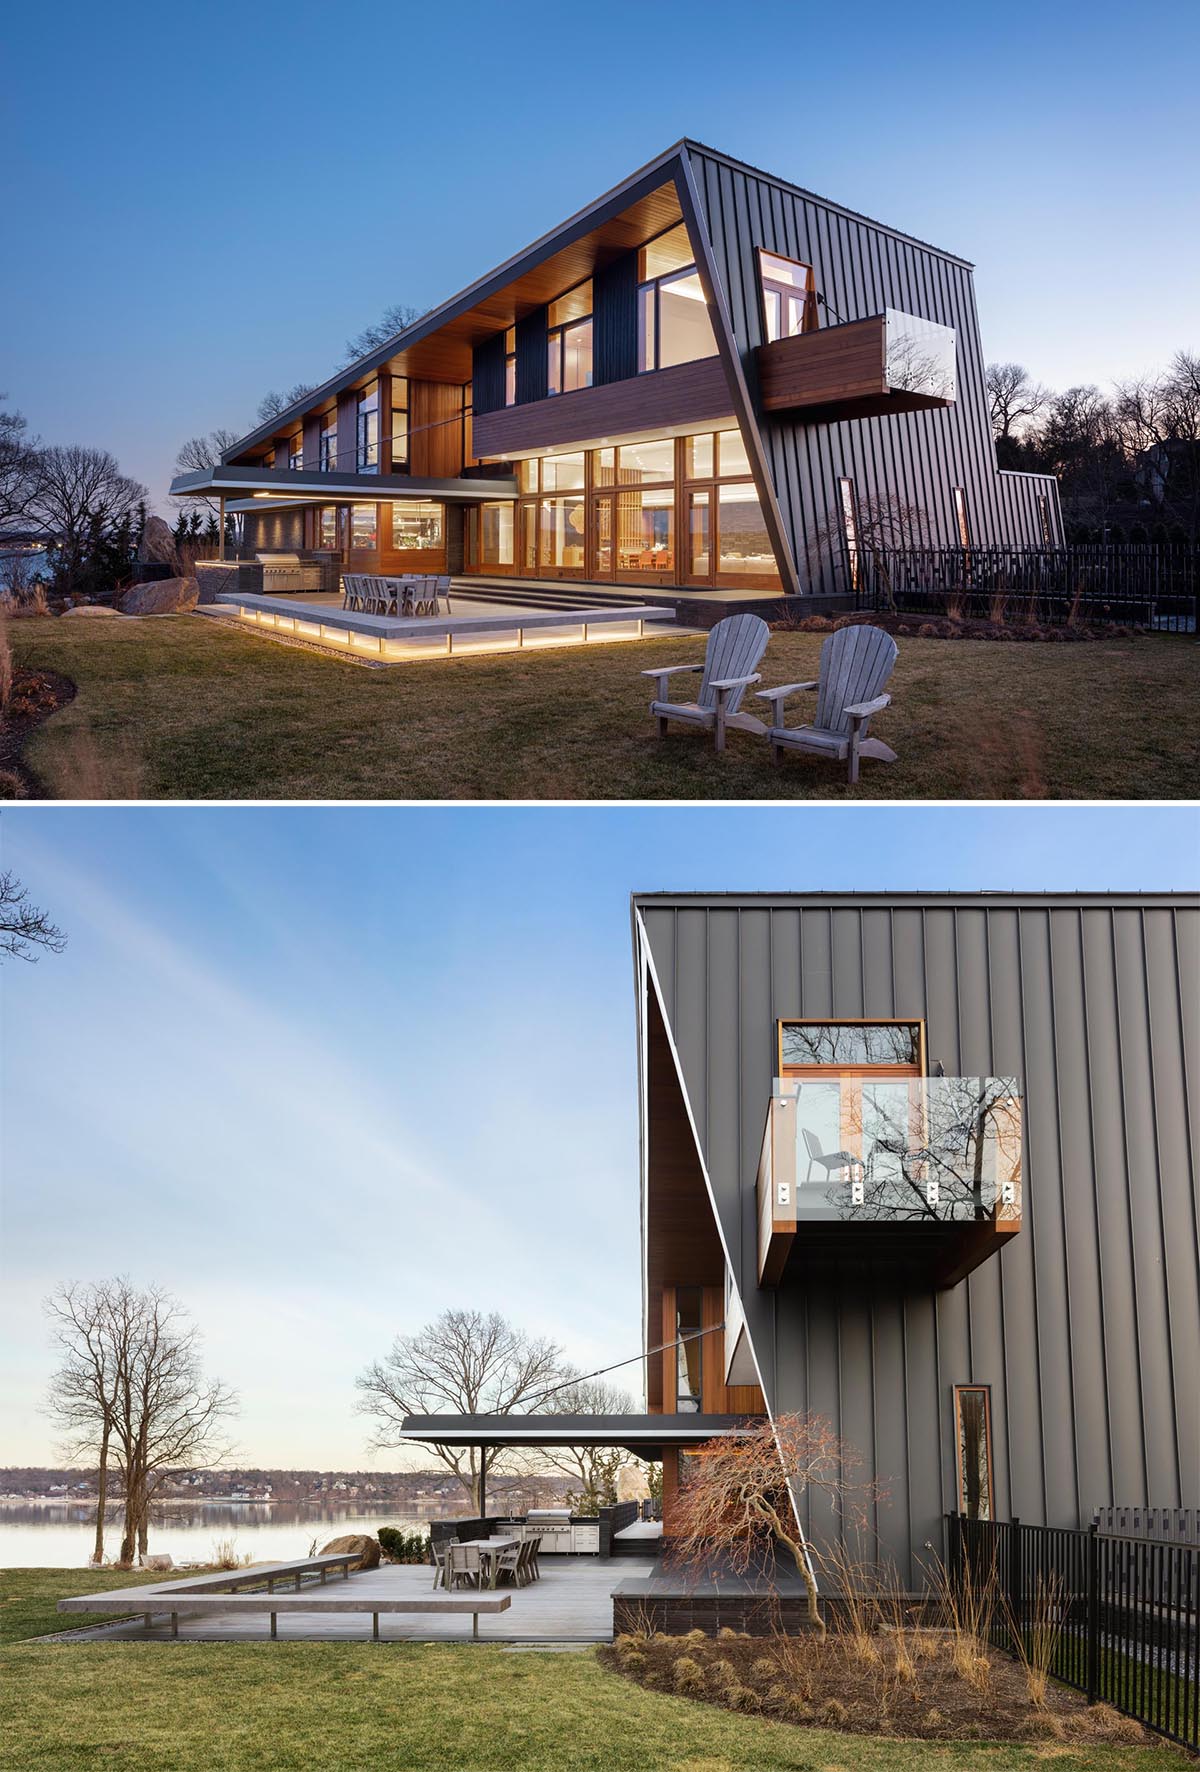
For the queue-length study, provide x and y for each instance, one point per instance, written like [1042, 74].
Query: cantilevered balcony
[892, 362]
[916, 1181]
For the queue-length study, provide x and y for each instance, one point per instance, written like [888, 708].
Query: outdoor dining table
[489, 1549]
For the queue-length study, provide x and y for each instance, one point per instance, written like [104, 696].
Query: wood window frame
[959, 1474]
[812, 318]
[921, 1068]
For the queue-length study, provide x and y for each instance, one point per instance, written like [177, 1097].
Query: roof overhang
[309, 485]
[645, 1435]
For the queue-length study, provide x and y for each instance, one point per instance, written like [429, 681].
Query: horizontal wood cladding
[689, 393]
[839, 363]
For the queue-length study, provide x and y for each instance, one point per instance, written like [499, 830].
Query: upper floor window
[673, 319]
[328, 454]
[510, 366]
[789, 296]
[367, 456]
[296, 452]
[399, 433]
[850, 1045]
[689, 1352]
[569, 343]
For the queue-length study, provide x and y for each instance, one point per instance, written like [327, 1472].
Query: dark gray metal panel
[860, 268]
[614, 310]
[533, 364]
[1087, 1327]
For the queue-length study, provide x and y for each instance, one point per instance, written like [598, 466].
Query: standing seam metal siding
[1087, 1326]
[861, 268]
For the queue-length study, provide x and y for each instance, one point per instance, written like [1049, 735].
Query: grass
[344, 1707]
[27, 1598]
[183, 707]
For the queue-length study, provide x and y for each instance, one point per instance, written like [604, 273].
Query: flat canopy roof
[305, 484]
[644, 1434]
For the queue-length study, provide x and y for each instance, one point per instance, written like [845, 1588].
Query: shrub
[403, 1547]
[834, 1712]
[688, 1675]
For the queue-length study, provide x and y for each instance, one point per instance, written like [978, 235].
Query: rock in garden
[162, 596]
[158, 545]
[355, 1541]
[90, 609]
[160, 1562]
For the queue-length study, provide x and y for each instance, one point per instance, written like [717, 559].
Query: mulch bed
[35, 696]
[832, 1685]
[942, 628]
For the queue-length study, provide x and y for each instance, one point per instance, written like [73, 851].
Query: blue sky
[322, 1073]
[204, 203]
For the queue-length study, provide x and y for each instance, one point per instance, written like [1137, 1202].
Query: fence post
[1014, 1574]
[1093, 1613]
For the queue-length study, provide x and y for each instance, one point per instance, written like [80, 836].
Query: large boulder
[158, 545]
[355, 1541]
[162, 596]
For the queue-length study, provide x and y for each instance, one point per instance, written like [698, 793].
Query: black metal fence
[1121, 1616]
[1140, 585]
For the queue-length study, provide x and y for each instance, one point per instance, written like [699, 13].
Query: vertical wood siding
[861, 268]
[1087, 1324]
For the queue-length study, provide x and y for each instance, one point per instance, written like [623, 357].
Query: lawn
[27, 1598]
[183, 706]
[346, 1707]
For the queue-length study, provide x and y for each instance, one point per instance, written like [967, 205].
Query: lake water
[59, 1535]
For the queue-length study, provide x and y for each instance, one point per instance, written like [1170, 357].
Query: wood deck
[572, 1603]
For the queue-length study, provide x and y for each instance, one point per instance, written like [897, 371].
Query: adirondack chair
[856, 662]
[735, 646]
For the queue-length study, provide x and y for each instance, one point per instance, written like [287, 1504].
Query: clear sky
[202, 203]
[323, 1074]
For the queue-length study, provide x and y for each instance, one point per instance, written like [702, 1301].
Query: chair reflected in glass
[830, 1161]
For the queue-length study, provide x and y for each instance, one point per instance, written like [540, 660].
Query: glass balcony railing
[867, 1153]
[919, 356]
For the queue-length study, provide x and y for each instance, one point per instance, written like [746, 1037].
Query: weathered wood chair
[735, 646]
[856, 662]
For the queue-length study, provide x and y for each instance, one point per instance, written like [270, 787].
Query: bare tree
[23, 926]
[393, 320]
[197, 454]
[20, 469]
[1015, 400]
[464, 1363]
[743, 1491]
[83, 499]
[595, 1469]
[272, 404]
[87, 1328]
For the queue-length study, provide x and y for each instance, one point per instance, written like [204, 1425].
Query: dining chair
[465, 1565]
[438, 1553]
[508, 1563]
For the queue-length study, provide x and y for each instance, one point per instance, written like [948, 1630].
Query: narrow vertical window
[689, 1362]
[296, 453]
[850, 526]
[510, 366]
[960, 517]
[569, 342]
[399, 425]
[973, 1444]
[367, 455]
[328, 455]
[1044, 519]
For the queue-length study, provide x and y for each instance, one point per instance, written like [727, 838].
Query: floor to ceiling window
[399, 427]
[673, 319]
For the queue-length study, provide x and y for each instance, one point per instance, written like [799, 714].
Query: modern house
[707, 381]
[923, 1164]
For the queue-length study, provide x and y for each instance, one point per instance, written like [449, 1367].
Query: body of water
[59, 1535]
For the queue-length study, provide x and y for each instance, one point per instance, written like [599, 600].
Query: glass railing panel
[919, 356]
[911, 1150]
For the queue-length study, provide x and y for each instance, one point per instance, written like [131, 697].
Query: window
[960, 517]
[689, 1355]
[850, 526]
[327, 527]
[851, 1044]
[1044, 519]
[328, 455]
[367, 454]
[639, 464]
[732, 457]
[646, 531]
[673, 320]
[399, 432]
[561, 533]
[699, 457]
[745, 546]
[416, 525]
[296, 453]
[789, 297]
[562, 473]
[973, 1449]
[527, 475]
[496, 535]
[569, 344]
[510, 366]
[698, 534]
[364, 528]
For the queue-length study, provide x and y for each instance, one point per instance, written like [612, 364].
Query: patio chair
[525, 1569]
[349, 590]
[856, 662]
[464, 1566]
[734, 647]
[828, 1160]
[508, 1563]
[534, 1541]
[438, 1553]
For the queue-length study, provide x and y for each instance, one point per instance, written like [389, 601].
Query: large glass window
[646, 531]
[732, 458]
[745, 547]
[673, 319]
[417, 525]
[328, 456]
[296, 453]
[788, 296]
[562, 473]
[639, 464]
[399, 437]
[973, 1443]
[367, 456]
[569, 345]
[561, 533]
[327, 527]
[496, 534]
[364, 527]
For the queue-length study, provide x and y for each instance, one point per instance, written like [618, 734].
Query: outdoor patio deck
[572, 1602]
